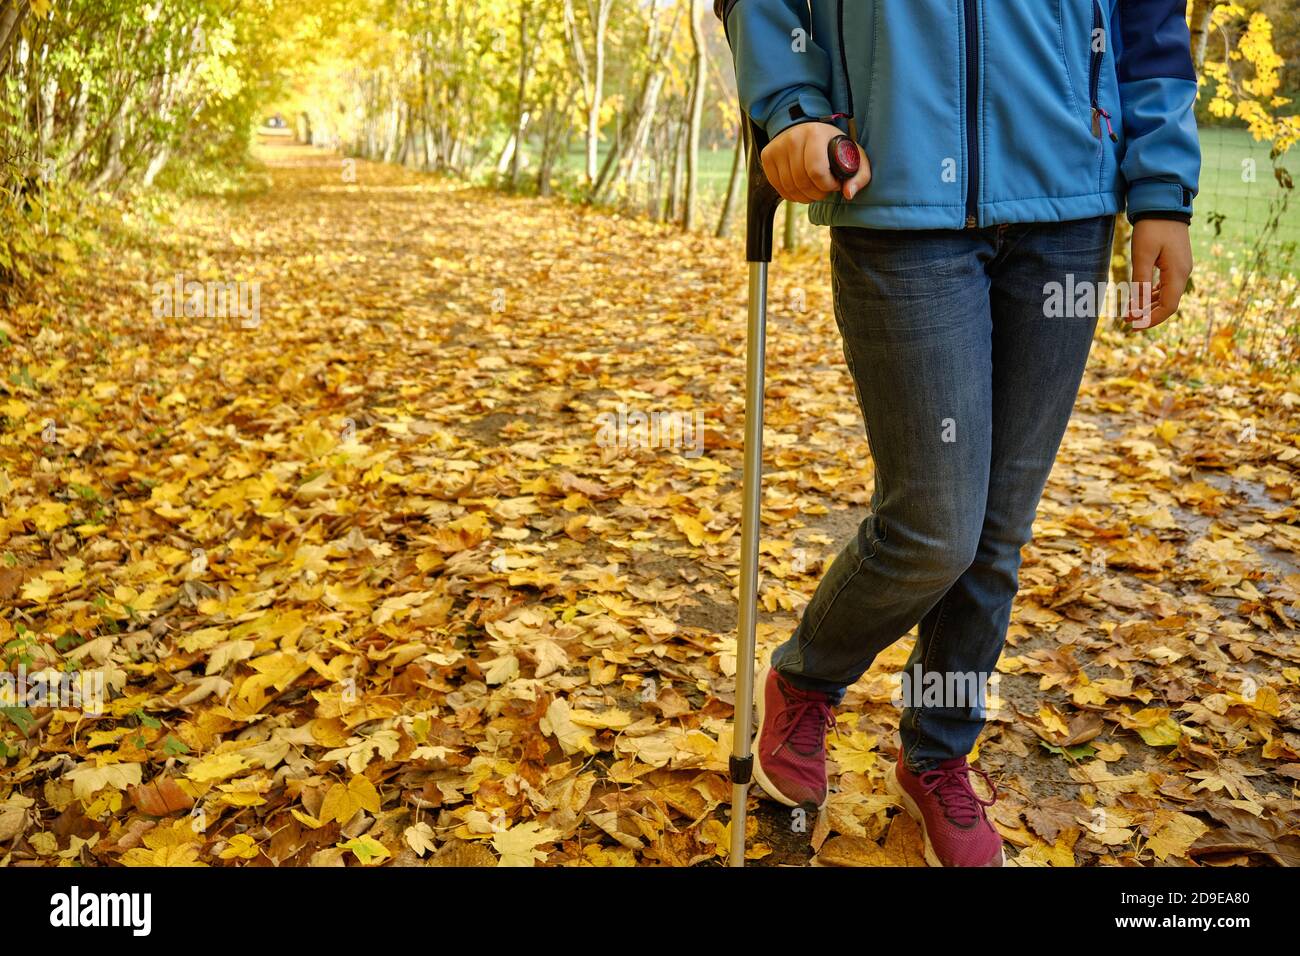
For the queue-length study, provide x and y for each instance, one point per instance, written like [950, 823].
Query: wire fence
[1245, 218]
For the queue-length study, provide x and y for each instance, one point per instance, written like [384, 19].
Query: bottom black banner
[236, 906]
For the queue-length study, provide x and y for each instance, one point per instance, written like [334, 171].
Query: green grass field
[1243, 204]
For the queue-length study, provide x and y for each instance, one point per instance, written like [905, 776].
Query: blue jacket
[976, 112]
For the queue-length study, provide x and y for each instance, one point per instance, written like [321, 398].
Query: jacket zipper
[848, 83]
[1094, 76]
[972, 108]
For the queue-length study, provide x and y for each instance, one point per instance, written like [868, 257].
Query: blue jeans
[966, 371]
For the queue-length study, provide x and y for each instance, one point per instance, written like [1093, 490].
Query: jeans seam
[875, 539]
[921, 735]
[848, 357]
[875, 543]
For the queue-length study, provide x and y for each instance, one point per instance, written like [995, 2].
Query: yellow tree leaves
[1252, 97]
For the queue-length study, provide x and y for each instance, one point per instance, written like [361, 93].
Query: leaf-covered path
[374, 575]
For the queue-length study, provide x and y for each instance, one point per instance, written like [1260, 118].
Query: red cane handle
[843, 154]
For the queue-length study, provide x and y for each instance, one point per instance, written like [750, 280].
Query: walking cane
[760, 219]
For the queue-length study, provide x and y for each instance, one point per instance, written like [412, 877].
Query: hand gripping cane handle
[841, 152]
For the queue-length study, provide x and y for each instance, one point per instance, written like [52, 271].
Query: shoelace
[961, 805]
[806, 721]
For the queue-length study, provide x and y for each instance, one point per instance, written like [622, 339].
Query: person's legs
[913, 309]
[1037, 364]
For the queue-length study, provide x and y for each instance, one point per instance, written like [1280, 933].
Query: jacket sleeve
[1157, 85]
[782, 76]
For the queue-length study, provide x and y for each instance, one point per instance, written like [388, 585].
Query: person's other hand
[798, 168]
[1164, 245]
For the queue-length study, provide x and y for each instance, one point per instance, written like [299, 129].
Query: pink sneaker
[790, 748]
[951, 814]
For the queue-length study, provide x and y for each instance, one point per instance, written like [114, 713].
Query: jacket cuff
[1150, 196]
[1183, 217]
[808, 105]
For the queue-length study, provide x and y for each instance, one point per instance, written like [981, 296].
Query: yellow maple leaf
[241, 847]
[88, 780]
[612, 719]
[1053, 721]
[1039, 853]
[559, 724]
[1155, 726]
[368, 850]
[165, 856]
[518, 845]
[306, 819]
[692, 528]
[1168, 429]
[216, 767]
[342, 803]
[49, 515]
[1175, 835]
[38, 590]
[856, 752]
[420, 838]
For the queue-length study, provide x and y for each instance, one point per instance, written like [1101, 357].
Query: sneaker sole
[760, 694]
[896, 788]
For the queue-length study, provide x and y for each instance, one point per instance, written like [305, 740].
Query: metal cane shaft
[751, 507]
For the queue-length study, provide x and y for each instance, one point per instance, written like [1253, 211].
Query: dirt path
[374, 575]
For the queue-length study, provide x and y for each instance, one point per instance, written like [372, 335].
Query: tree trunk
[700, 64]
[1119, 260]
[598, 92]
[630, 152]
[1200, 21]
[673, 206]
[526, 50]
[392, 136]
[733, 183]
[553, 140]
[156, 164]
[113, 168]
[593, 76]
[12, 14]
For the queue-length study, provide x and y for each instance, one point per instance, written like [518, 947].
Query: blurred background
[626, 104]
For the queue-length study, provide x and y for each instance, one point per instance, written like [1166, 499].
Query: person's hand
[798, 168]
[1166, 245]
